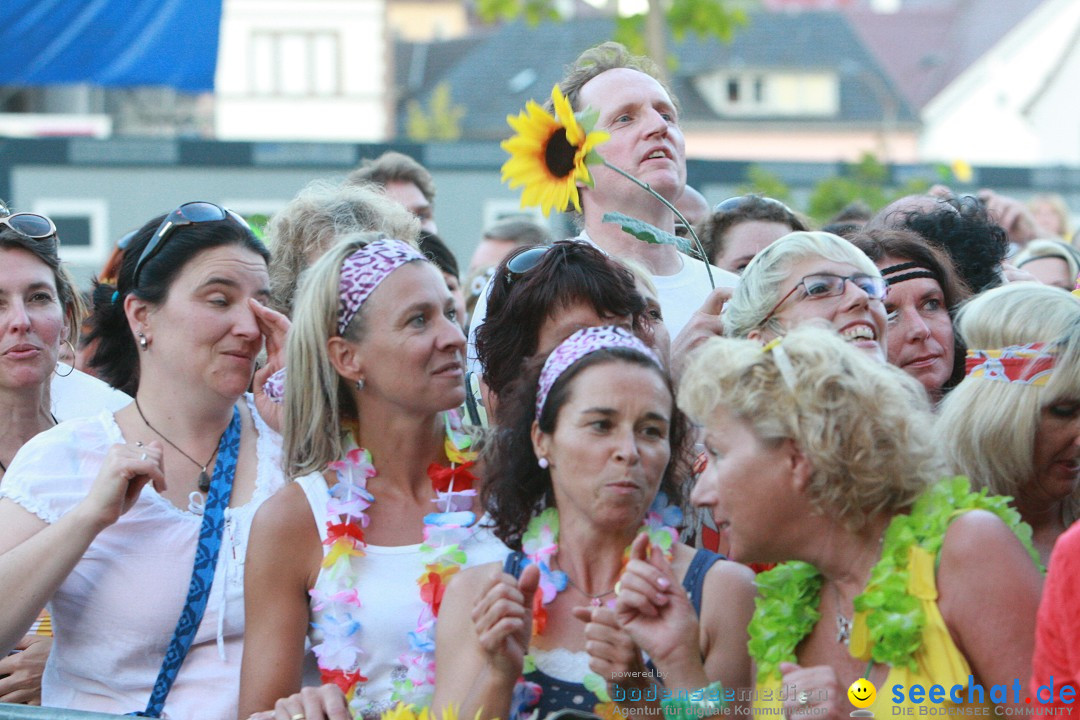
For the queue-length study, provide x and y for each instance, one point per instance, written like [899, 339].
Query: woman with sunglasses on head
[355, 553]
[741, 227]
[133, 525]
[539, 296]
[825, 460]
[585, 473]
[810, 278]
[39, 312]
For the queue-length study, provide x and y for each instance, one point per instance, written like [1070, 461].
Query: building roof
[495, 74]
[924, 47]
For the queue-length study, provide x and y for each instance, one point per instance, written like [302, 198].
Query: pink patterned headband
[577, 346]
[362, 272]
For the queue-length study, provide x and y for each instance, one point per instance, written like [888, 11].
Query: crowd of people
[592, 474]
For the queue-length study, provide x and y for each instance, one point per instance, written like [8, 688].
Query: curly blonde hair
[313, 220]
[864, 426]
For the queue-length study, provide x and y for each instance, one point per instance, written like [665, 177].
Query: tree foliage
[441, 122]
[867, 180]
[704, 18]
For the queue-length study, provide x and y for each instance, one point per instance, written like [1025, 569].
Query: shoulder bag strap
[202, 574]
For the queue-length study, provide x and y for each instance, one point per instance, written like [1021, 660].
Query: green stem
[647, 188]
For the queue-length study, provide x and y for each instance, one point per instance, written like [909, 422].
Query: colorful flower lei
[445, 531]
[788, 595]
[540, 543]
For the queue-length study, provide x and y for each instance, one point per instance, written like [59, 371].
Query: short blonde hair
[317, 400]
[988, 427]
[761, 285]
[865, 426]
[321, 212]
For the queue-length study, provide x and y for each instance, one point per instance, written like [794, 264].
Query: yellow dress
[938, 660]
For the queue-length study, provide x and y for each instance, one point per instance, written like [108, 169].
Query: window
[81, 227]
[295, 64]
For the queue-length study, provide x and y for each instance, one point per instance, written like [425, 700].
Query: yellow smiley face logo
[862, 693]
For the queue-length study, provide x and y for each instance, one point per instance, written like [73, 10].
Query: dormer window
[749, 93]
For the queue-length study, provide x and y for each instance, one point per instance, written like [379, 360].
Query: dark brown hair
[516, 487]
[910, 246]
[569, 272]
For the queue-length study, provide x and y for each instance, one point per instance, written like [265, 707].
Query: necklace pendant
[595, 602]
[204, 481]
[843, 629]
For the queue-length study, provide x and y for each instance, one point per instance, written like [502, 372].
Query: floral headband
[361, 273]
[1027, 364]
[364, 270]
[577, 346]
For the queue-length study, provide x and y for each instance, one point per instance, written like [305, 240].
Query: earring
[360, 383]
[543, 463]
[143, 343]
[72, 368]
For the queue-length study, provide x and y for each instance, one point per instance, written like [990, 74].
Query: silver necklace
[594, 600]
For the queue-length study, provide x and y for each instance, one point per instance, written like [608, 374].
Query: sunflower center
[559, 154]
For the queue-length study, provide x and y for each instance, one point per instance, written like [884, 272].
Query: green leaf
[648, 233]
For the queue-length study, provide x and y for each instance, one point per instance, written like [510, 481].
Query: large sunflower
[550, 155]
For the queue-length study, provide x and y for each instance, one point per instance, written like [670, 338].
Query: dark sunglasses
[32, 225]
[187, 214]
[734, 203]
[525, 261]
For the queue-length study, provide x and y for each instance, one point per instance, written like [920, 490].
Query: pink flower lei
[445, 531]
[540, 543]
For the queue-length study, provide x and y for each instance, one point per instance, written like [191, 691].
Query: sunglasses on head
[187, 214]
[735, 203]
[525, 261]
[32, 225]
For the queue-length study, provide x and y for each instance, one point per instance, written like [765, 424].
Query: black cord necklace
[204, 478]
[55, 422]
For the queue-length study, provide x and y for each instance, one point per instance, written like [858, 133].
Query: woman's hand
[816, 692]
[654, 609]
[612, 652]
[275, 328]
[20, 672]
[503, 620]
[326, 702]
[123, 474]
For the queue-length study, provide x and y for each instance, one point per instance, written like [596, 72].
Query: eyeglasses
[32, 225]
[187, 214]
[825, 285]
[525, 261]
[735, 203]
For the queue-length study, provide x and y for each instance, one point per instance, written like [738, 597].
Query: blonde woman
[810, 278]
[823, 460]
[356, 551]
[1013, 424]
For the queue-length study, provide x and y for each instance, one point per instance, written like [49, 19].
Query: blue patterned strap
[202, 574]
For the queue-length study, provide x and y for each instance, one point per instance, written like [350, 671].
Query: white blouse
[114, 615]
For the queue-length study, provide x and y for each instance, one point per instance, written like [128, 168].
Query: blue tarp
[116, 43]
